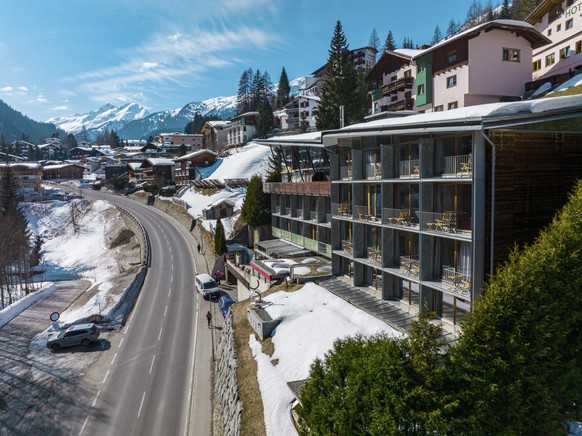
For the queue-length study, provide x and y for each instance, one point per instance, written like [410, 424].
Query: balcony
[375, 255]
[373, 171]
[448, 222]
[456, 280]
[458, 166]
[298, 213]
[410, 265]
[277, 209]
[400, 217]
[313, 215]
[348, 248]
[410, 168]
[403, 84]
[346, 172]
[366, 213]
[404, 104]
[341, 209]
[319, 189]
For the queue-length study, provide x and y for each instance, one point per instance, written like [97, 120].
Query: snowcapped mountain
[107, 117]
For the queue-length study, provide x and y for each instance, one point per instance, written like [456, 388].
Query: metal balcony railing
[458, 166]
[410, 168]
[410, 265]
[457, 280]
[348, 247]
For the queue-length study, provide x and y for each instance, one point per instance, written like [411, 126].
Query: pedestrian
[209, 319]
[217, 278]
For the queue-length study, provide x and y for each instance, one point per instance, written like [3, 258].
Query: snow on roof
[134, 165]
[195, 153]
[160, 161]
[243, 163]
[54, 167]
[218, 123]
[219, 202]
[30, 165]
[409, 52]
[311, 138]
[471, 114]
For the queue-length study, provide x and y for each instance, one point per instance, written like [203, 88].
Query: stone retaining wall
[227, 403]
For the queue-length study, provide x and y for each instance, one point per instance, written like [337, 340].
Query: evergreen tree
[505, 12]
[374, 40]
[243, 98]
[265, 119]
[341, 87]
[390, 43]
[195, 126]
[219, 239]
[274, 164]
[520, 9]
[256, 209]
[437, 36]
[452, 29]
[71, 142]
[283, 90]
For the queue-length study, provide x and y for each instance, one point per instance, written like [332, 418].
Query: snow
[305, 315]
[574, 81]
[542, 89]
[10, 312]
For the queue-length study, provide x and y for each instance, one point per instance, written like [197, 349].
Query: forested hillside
[14, 125]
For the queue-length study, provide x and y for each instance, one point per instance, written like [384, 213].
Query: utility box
[261, 321]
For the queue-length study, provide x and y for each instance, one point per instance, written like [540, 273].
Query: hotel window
[549, 32]
[564, 53]
[537, 65]
[570, 23]
[555, 14]
[510, 54]
[558, 27]
[408, 73]
[579, 46]
[451, 57]
[453, 105]
[419, 68]
[550, 59]
[451, 81]
[439, 108]
[408, 94]
[420, 89]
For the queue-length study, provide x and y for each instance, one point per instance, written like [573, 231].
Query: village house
[219, 209]
[187, 165]
[172, 142]
[27, 174]
[241, 129]
[64, 171]
[159, 170]
[214, 134]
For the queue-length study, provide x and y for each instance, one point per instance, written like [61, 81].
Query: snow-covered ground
[243, 163]
[311, 319]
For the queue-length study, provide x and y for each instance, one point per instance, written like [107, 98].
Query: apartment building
[424, 208]
[27, 174]
[485, 64]
[172, 141]
[561, 22]
[214, 134]
[241, 129]
[393, 81]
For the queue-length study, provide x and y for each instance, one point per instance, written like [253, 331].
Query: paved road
[156, 377]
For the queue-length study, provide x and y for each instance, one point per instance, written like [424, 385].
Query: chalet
[173, 141]
[64, 171]
[214, 134]
[27, 174]
[158, 169]
[241, 129]
[219, 209]
[187, 165]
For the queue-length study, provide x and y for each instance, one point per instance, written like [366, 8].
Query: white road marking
[172, 267]
[84, 424]
[114, 357]
[171, 279]
[165, 310]
[105, 378]
[152, 365]
[95, 400]
[160, 335]
[120, 342]
[169, 292]
[141, 404]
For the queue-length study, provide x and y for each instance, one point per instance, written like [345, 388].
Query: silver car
[80, 334]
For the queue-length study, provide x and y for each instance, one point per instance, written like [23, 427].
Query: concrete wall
[227, 403]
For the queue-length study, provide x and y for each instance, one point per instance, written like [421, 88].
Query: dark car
[224, 303]
[80, 334]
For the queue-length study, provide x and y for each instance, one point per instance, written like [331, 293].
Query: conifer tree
[284, 90]
[256, 209]
[219, 238]
[374, 40]
[505, 12]
[243, 97]
[342, 86]
[437, 36]
[265, 119]
[390, 44]
[452, 29]
[475, 11]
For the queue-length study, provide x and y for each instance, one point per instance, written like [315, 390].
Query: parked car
[206, 285]
[224, 303]
[80, 334]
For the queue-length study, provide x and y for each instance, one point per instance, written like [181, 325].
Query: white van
[206, 285]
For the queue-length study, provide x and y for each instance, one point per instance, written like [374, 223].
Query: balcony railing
[410, 265]
[299, 188]
[341, 209]
[276, 232]
[398, 85]
[346, 172]
[410, 168]
[299, 213]
[348, 247]
[375, 255]
[310, 244]
[404, 104]
[373, 170]
[323, 248]
[447, 222]
[457, 280]
[400, 217]
[366, 213]
[313, 216]
[458, 166]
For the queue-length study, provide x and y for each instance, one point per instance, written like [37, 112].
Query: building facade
[241, 129]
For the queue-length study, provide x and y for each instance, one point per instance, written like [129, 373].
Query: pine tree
[475, 11]
[283, 90]
[452, 29]
[243, 98]
[374, 40]
[219, 239]
[265, 119]
[390, 44]
[341, 87]
[505, 12]
[437, 36]
[71, 142]
[274, 165]
[256, 209]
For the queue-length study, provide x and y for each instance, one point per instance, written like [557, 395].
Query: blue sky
[60, 57]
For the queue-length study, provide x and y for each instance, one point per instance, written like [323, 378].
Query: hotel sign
[574, 9]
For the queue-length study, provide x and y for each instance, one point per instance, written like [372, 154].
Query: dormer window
[452, 57]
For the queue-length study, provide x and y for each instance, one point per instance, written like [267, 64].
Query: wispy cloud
[174, 57]
[63, 107]
[12, 89]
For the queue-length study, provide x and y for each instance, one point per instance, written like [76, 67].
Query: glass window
[420, 89]
[451, 57]
[419, 68]
[558, 27]
[453, 105]
[579, 46]
[550, 59]
[537, 65]
[451, 81]
[569, 23]
[511, 54]
[565, 53]
[407, 73]
[439, 108]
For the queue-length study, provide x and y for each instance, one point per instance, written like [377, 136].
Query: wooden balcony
[300, 188]
[404, 84]
[401, 105]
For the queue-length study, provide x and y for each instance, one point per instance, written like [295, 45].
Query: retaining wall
[227, 403]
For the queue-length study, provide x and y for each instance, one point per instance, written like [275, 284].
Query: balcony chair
[448, 223]
[402, 219]
[467, 167]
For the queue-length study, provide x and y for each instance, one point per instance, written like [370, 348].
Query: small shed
[219, 209]
[261, 321]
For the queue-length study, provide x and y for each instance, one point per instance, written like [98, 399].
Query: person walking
[209, 319]
[217, 277]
